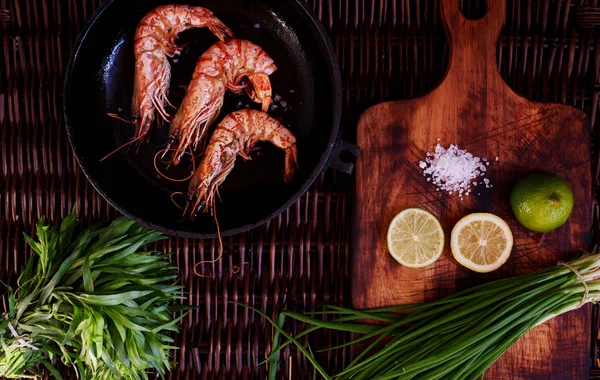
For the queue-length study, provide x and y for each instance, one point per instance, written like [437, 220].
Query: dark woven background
[387, 49]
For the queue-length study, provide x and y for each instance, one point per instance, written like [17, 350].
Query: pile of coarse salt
[454, 170]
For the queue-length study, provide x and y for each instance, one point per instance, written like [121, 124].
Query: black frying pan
[306, 86]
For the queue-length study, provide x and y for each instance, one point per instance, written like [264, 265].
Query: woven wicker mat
[387, 49]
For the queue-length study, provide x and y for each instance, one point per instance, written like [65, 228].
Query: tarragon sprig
[96, 300]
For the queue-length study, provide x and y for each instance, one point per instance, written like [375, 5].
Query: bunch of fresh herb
[458, 337]
[96, 300]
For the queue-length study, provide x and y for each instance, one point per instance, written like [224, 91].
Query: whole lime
[542, 201]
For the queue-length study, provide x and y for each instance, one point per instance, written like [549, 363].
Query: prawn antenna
[218, 257]
[115, 116]
[167, 177]
[121, 147]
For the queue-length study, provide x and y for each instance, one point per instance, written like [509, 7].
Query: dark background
[387, 49]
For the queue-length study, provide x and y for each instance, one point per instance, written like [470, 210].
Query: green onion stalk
[96, 301]
[458, 337]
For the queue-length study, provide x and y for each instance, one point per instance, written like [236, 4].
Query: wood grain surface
[474, 108]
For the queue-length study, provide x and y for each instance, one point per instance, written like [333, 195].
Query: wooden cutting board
[474, 108]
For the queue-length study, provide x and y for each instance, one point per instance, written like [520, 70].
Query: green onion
[94, 300]
[458, 337]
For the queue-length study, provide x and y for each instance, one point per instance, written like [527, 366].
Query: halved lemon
[415, 238]
[481, 242]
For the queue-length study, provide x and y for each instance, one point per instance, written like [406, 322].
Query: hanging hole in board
[473, 9]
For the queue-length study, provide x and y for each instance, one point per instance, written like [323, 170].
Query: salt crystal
[283, 103]
[256, 26]
[497, 159]
[277, 98]
[453, 170]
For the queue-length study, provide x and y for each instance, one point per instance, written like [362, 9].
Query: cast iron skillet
[307, 87]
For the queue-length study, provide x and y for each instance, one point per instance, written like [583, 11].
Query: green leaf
[100, 251]
[127, 255]
[23, 304]
[67, 228]
[98, 333]
[120, 321]
[118, 337]
[114, 285]
[116, 229]
[52, 369]
[157, 351]
[151, 301]
[132, 348]
[80, 369]
[110, 299]
[83, 242]
[76, 320]
[11, 301]
[27, 276]
[88, 283]
[108, 361]
[35, 246]
[132, 312]
[133, 258]
[170, 324]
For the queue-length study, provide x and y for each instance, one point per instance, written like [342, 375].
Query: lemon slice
[415, 238]
[481, 242]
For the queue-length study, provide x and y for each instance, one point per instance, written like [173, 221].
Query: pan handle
[335, 161]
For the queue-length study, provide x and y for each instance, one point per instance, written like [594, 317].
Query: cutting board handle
[473, 42]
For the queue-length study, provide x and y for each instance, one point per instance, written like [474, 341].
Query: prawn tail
[219, 29]
[259, 90]
[291, 163]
